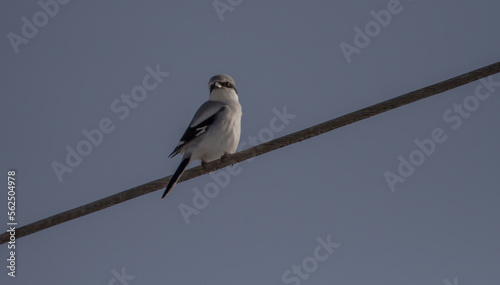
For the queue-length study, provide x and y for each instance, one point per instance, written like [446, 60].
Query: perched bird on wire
[214, 130]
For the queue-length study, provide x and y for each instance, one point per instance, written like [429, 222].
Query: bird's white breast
[223, 137]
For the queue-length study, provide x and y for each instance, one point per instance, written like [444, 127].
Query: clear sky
[96, 94]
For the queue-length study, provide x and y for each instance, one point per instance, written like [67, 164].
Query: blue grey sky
[318, 212]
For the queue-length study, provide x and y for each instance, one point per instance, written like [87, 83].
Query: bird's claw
[224, 158]
[204, 165]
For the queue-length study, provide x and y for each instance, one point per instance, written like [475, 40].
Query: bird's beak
[218, 85]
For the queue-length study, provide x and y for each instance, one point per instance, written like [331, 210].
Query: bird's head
[221, 82]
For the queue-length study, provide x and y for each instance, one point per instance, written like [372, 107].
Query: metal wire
[257, 150]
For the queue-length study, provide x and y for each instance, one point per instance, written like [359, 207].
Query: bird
[215, 129]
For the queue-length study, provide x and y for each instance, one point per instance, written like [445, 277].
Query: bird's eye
[212, 87]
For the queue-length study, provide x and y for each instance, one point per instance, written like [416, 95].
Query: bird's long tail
[176, 176]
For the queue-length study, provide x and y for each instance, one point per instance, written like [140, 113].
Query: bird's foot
[204, 165]
[224, 158]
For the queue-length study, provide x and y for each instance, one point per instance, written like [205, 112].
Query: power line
[258, 150]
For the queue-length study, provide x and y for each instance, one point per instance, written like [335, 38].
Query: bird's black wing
[201, 123]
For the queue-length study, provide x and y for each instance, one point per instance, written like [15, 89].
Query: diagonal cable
[257, 150]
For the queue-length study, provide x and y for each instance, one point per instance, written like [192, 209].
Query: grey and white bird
[214, 130]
